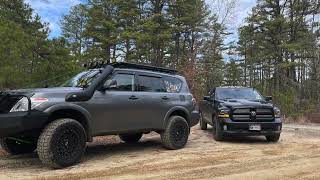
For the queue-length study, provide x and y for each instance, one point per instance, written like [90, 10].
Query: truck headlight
[223, 113]
[23, 104]
[277, 113]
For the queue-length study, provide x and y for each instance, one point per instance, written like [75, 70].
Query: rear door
[153, 104]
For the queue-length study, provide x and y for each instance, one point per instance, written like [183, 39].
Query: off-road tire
[203, 125]
[176, 134]
[217, 131]
[62, 143]
[130, 138]
[273, 138]
[15, 147]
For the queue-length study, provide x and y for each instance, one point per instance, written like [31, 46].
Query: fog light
[225, 127]
[223, 115]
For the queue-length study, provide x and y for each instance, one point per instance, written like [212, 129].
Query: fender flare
[176, 108]
[70, 106]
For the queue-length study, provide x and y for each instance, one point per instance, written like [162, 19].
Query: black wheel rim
[67, 146]
[179, 133]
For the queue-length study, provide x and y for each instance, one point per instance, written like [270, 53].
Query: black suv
[240, 111]
[119, 99]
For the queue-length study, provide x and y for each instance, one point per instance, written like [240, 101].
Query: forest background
[277, 49]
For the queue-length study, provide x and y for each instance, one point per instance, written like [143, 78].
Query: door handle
[165, 98]
[133, 98]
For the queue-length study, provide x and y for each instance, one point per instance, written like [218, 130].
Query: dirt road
[296, 156]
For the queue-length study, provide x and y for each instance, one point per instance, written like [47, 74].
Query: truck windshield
[238, 93]
[83, 79]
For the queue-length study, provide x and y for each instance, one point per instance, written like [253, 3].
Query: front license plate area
[255, 127]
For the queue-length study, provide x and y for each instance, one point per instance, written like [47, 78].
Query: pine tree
[24, 46]
[278, 45]
[73, 28]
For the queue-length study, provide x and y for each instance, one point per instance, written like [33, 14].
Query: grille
[253, 114]
[7, 102]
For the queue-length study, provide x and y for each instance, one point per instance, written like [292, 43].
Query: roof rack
[94, 65]
[143, 67]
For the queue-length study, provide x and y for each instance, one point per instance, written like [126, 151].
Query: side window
[120, 82]
[172, 85]
[150, 84]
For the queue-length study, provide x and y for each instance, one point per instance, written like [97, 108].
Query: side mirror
[207, 98]
[110, 84]
[268, 98]
[113, 84]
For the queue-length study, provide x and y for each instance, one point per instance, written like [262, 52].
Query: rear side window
[172, 85]
[151, 84]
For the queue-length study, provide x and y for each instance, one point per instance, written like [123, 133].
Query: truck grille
[7, 102]
[253, 114]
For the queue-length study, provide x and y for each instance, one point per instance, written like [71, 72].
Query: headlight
[223, 113]
[23, 104]
[277, 112]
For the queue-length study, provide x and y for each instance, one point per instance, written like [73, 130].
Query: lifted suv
[240, 111]
[119, 99]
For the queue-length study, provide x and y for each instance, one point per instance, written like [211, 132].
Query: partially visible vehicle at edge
[240, 111]
[119, 99]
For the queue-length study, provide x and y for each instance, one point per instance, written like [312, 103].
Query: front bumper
[15, 123]
[194, 119]
[242, 128]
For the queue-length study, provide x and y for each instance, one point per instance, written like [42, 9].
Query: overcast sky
[51, 11]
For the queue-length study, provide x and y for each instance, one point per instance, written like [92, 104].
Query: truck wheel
[130, 138]
[62, 143]
[176, 134]
[203, 125]
[15, 147]
[273, 138]
[217, 131]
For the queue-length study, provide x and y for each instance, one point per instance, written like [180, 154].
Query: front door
[208, 111]
[113, 109]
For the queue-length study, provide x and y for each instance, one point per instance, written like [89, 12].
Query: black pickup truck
[240, 111]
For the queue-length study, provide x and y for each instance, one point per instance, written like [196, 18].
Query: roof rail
[143, 67]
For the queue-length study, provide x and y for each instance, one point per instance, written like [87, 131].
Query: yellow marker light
[222, 115]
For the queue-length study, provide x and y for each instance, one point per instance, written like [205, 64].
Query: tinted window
[151, 84]
[172, 85]
[120, 82]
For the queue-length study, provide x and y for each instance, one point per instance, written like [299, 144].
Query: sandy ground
[296, 156]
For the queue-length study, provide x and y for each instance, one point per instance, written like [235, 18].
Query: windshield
[83, 79]
[238, 93]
